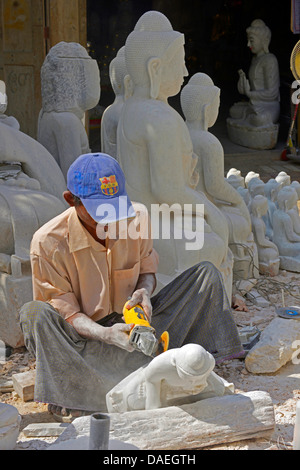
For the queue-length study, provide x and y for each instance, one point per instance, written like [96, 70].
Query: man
[86, 263]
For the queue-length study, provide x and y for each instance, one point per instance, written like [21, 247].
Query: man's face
[85, 217]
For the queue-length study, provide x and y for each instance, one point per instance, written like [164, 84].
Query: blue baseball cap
[98, 180]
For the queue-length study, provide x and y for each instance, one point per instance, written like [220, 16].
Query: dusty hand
[118, 335]
[141, 297]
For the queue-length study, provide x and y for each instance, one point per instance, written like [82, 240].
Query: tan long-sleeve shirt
[75, 273]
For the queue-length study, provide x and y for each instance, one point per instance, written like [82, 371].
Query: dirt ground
[283, 386]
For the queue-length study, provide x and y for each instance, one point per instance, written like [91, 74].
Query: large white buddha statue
[253, 123]
[200, 100]
[155, 148]
[70, 81]
[121, 84]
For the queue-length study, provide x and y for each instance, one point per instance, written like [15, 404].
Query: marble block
[9, 426]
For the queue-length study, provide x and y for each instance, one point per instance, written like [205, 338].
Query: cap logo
[109, 185]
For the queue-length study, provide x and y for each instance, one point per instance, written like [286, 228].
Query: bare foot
[65, 414]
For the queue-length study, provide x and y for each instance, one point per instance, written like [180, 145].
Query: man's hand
[118, 335]
[141, 297]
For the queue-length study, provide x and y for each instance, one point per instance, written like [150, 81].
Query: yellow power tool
[142, 336]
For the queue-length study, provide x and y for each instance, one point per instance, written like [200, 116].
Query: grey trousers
[76, 373]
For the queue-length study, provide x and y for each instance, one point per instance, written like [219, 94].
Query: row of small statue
[274, 211]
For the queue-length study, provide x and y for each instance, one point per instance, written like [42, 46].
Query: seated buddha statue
[155, 149]
[253, 122]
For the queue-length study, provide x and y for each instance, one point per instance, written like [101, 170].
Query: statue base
[14, 293]
[272, 268]
[289, 264]
[209, 422]
[258, 138]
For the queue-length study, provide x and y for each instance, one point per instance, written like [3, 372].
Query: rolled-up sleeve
[50, 284]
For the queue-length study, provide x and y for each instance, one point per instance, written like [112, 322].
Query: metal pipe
[99, 431]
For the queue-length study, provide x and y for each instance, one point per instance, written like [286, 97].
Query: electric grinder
[142, 336]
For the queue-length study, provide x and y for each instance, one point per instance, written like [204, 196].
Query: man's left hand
[141, 297]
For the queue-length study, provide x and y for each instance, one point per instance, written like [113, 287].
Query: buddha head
[259, 205]
[154, 55]
[287, 198]
[70, 79]
[272, 187]
[200, 100]
[193, 361]
[119, 78]
[259, 37]
[283, 178]
[256, 186]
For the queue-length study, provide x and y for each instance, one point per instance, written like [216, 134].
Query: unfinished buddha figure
[70, 86]
[283, 178]
[272, 187]
[254, 123]
[249, 176]
[177, 376]
[235, 178]
[285, 234]
[4, 119]
[30, 194]
[121, 86]
[156, 152]
[200, 100]
[268, 255]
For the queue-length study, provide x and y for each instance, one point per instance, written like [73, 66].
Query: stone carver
[177, 375]
[155, 149]
[86, 263]
[200, 100]
[254, 123]
[70, 86]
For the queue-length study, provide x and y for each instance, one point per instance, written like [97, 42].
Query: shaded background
[215, 37]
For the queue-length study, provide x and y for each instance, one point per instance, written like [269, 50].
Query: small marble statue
[268, 255]
[283, 178]
[200, 100]
[70, 86]
[121, 85]
[8, 120]
[249, 176]
[235, 178]
[177, 376]
[254, 123]
[285, 235]
[272, 187]
[155, 148]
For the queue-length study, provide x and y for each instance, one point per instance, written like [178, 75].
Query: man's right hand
[118, 335]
